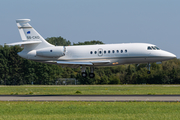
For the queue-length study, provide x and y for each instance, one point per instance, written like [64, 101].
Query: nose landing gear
[148, 67]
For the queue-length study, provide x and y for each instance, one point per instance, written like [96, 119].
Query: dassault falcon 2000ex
[36, 48]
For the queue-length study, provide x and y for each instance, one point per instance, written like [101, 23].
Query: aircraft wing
[76, 64]
[72, 63]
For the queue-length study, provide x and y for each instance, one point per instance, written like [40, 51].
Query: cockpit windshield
[157, 48]
[152, 48]
[149, 48]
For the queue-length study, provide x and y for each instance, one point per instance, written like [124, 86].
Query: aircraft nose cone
[173, 55]
[168, 55]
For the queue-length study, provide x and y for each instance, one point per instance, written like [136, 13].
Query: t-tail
[32, 40]
[35, 46]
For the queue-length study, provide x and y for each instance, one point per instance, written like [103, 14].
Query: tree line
[15, 70]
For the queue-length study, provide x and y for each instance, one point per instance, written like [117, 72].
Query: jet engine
[51, 52]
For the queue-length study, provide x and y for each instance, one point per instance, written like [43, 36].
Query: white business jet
[36, 48]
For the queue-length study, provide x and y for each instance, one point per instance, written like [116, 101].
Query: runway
[105, 98]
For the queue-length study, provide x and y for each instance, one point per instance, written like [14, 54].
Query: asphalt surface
[105, 98]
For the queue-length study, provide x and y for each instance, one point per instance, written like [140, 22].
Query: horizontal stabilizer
[22, 20]
[23, 43]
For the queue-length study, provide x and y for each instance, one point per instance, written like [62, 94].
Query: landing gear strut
[92, 75]
[83, 69]
[148, 72]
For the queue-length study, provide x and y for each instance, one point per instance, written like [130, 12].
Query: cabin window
[126, 51]
[113, 51]
[50, 50]
[121, 51]
[105, 52]
[117, 51]
[100, 52]
[91, 52]
[109, 51]
[95, 52]
[149, 48]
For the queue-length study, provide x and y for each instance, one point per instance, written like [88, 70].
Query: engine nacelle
[51, 52]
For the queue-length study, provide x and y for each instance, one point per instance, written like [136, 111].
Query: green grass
[89, 110]
[91, 90]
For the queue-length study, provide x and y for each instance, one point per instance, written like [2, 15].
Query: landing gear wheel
[148, 72]
[91, 75]
[84, 74]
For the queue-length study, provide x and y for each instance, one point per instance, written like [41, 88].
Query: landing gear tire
[84, 74]
[91, 75]
[148, 72]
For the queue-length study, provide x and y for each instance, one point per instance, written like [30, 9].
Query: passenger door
[100, 52]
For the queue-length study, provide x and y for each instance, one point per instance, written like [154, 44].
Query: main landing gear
[84, 74]
[148, 67]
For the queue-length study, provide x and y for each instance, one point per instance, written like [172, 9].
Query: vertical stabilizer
[28, 33]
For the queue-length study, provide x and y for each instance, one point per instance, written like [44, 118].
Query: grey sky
[111, 21]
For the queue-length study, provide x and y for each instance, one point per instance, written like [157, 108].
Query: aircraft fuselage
[117, 54]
